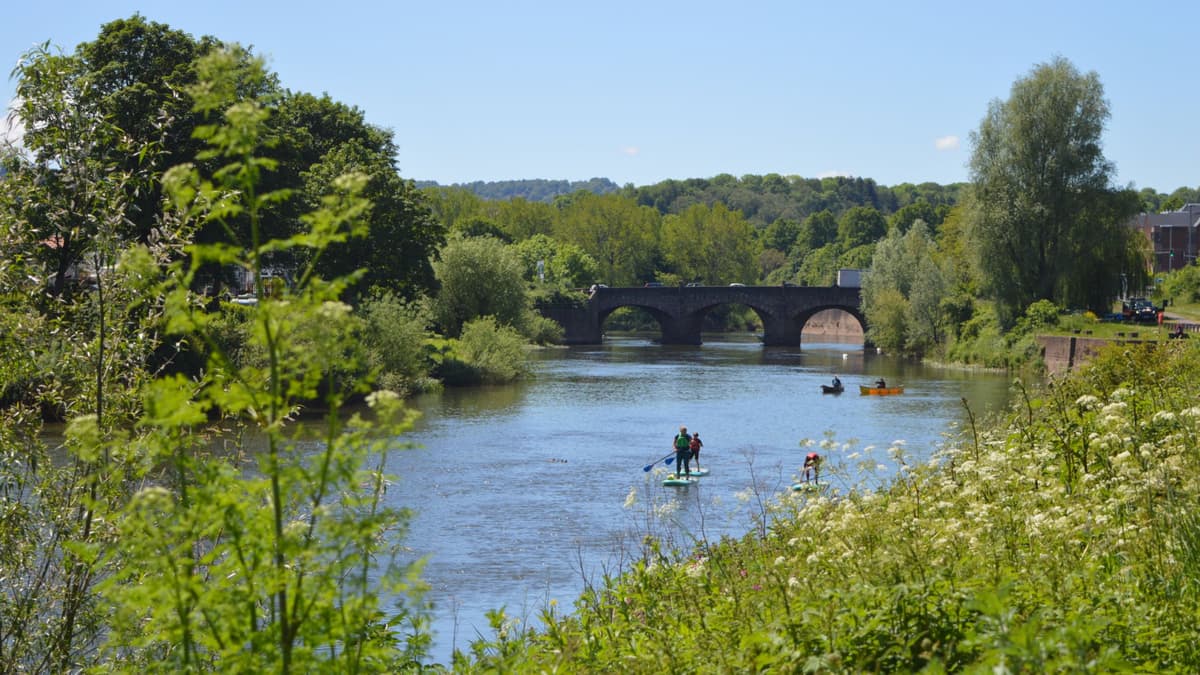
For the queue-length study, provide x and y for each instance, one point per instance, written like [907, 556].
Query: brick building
[1173, 237]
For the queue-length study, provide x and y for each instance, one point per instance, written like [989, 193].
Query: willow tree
[1046, 221]
[903, 292]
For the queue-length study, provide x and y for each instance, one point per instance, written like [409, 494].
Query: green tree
[817, 230]
[479, 276]
[903, 292]
[620, 235]
[276, 569]
[521, 219]
[781, 234]
[402, 236]
[130, 85]
[861, 225]
[396, 334]
[565, 265]
[918, 210]
[81, 358]
[453, 204]
[820, 267]
[713, 245]
[1046, 222]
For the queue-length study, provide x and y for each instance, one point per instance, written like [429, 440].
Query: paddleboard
[698, 472]
[809, 486]
[673, 480]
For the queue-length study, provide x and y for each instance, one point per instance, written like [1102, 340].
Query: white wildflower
[381, 396]
[1163, 416]
[1115, 408]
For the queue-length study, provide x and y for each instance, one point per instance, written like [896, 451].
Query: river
[520, 492]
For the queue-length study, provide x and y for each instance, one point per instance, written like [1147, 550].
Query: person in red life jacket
[694, 446]
[683, 453]
[812, 467]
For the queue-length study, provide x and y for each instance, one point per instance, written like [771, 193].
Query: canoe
[879, 391]
[826, 389]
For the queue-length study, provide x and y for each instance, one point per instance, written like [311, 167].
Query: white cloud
[835, 173]
[946, 143]
[631, 150]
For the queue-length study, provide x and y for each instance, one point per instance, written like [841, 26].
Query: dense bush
[396, 337]
[486, 353]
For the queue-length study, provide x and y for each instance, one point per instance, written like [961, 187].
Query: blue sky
[640, 92]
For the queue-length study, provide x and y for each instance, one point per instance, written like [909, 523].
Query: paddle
[669, 458]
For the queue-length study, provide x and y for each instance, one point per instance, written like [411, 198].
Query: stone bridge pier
[680, 311]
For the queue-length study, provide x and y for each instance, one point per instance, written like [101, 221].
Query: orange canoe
[879, 391]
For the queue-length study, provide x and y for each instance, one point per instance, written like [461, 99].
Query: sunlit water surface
[520, 491]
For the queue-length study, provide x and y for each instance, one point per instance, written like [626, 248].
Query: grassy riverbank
[1061, 538]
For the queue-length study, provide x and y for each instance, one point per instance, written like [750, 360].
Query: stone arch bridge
[680, 310]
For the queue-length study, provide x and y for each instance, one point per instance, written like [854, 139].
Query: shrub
[396, 337]
[487, 352]
[541, 330]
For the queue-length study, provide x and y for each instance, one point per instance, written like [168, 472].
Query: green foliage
[919, 210]
[488, 352]
[280, 568]
[1045, 221]
[619, 235]
[1182, 285]
[819, 267]
[401, 235]
[861, 225]
[542, 331]
[1041, 314]
[904, 291]
[396, 338]
[780, 235]
[819, 229]
[562, 264]
[714, 245]
[479, 277]
[532, 190]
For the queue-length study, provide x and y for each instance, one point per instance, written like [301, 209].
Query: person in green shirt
[683, 453]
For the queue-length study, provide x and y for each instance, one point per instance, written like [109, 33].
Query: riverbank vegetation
[193, 252]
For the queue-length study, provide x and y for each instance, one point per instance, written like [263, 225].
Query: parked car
[1140, 310]
[736, 284]
[653, 284]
